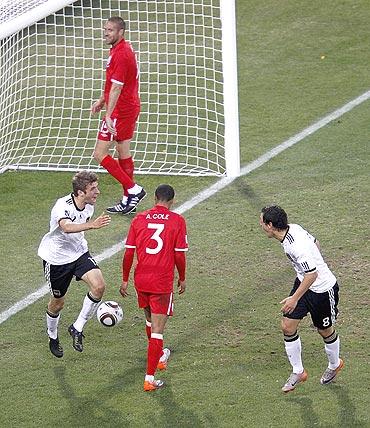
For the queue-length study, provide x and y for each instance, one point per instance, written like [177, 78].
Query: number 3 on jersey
[158, 227]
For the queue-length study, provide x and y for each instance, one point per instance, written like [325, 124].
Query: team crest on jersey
[68, 215]
[108, 61]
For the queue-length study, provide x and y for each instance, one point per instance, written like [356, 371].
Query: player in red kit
[122, 103]
[158, 236]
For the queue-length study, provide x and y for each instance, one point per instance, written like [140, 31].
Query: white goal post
[52, 70]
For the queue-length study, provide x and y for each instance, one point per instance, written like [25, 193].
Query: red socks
[127, 165]
[117, 172]
[155, 346]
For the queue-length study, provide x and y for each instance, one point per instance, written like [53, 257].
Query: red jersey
[156, 234]
[122, 68]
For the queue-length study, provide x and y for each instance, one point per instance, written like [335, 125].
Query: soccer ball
[109, 313]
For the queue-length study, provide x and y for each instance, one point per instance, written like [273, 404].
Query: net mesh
[52, 72]
[9, 9]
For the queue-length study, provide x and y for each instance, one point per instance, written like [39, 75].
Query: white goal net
[52, 70]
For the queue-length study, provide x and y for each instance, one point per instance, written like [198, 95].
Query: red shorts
[158, 303]
[125, 127]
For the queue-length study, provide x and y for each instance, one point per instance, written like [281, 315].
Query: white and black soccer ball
[109, 313]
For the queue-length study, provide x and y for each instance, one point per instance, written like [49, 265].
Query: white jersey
[305, 256]
[58, 247]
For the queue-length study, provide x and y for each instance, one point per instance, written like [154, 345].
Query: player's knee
[326, 333]
[287, 329]
[97, 290]
[55, 306]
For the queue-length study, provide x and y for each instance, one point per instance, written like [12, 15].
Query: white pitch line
[207, 193]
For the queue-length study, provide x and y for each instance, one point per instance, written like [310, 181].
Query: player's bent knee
[326, 332]
[56, 305]
[97, 290]
[288, 326]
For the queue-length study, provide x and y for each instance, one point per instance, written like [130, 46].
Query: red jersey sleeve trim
[117, 81]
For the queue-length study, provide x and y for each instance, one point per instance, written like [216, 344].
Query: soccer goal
[52, 70]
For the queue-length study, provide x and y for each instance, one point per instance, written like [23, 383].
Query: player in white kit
[315, 291]
[65, 255]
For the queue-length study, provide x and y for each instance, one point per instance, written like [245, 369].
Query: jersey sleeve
[181, 243]
[131, 236]
[304, 258]
[59, 212]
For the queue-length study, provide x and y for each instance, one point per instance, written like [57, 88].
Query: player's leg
[293, 349]
[126, 163]
[324, 313]
[160, 307]
[58, 278]
[292, 341]
[125, 132]
[125, 127]
[111, 165]
[155, 351]
[148, 322]
[52, 321]
[88, 271]
[162, 364]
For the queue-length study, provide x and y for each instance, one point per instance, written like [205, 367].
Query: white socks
[134, 190]
[332, 351]
[52, 325]
[89, 307]
[294, 352]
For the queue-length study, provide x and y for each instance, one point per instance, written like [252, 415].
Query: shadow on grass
[346, 417]
[173, 412]
[249, 194]
[92, 410]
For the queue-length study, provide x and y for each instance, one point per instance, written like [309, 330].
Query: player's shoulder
[124, 48]
[295, 229]
[297, 236]
[65, 201]
[140, 217]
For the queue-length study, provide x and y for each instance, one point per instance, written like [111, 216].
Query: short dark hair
[118, 21]
[82, 179]
[164, 193]
[276, 216]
